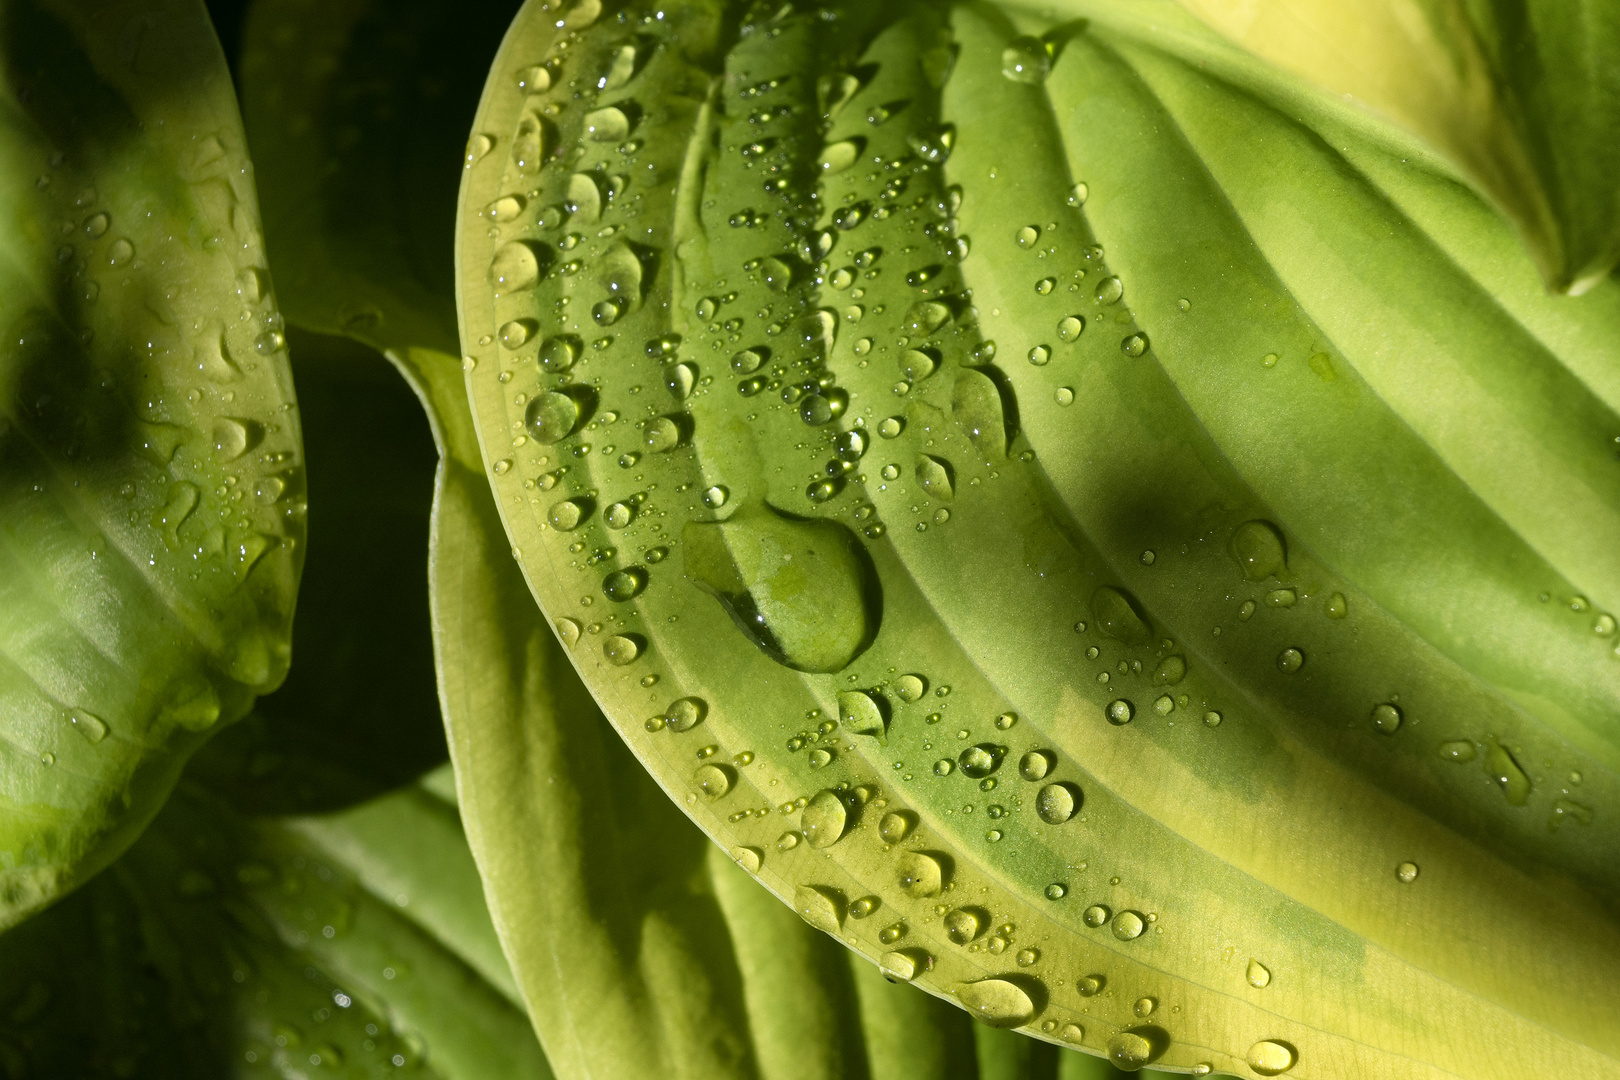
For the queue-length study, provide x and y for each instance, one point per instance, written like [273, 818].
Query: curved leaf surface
[352, 945]
[637, 948]
[1122, 553]
[151, 487]
[1523, 97]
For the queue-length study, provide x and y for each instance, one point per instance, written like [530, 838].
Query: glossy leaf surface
[1230, 683]
[151, 484]
[639, 948]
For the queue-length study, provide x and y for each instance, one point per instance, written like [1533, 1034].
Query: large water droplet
[825, 819]
[749, 858]
[1109, 290]
[920, 875]
[935, 477]
[903, 964]
[1269, 1058]
[620, 649]
[607, 124]
[981, 760]
[566, 515]
[860, 713]
[1259, 975]
[961, 925]
[583, 199]
[685, 713]
[1290, 660]
[821, 908]
[1258, 548]
[1386, 718]
[1036, 764]
[515, 334]
[559, 353]
[1057, 803]
[1406, 873]
[925, 316]
[552, 416]
[896, 825]
[776, 273]
[1119, 712]
[514, 268]
[622, 585]
[1128, 925]
[801, 590]
[712, 780]
[622, 68]
[1459, 750]
[1130, 1050]
[1026, 60]
[619, 272]
[839, 156]
[1502, 767]
[1071, 327]
[1118, 617]
[1171, 670]
[997, 1002]
[909, 688]
[976, 405]
[916, 365]
[233, 438]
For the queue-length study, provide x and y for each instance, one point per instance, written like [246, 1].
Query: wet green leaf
[351, 945]
[1243, 666]
[151, 481]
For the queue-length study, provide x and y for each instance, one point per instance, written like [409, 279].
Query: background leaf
[151, 484]
[1192, 494]
[354, 945]
[1522, 96]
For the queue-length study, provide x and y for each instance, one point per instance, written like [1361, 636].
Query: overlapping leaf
[1106, 540]
[1524, 97]
[151, 488]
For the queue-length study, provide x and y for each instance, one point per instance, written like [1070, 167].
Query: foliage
[1108, 531]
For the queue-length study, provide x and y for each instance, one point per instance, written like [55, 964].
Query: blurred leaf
[359, 712]
[151, 482]
[1522, 95]
[354, 945]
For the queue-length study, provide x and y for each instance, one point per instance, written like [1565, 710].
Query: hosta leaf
[1229, 680]
[358, 714]
[151, 487]
[351, 945]
[1522, 97]
[639, 947]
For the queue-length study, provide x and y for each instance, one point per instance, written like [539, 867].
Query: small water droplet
[1026, 60]
[715, 497]
[661, 434]
[1028, 236]
[622, 585]
[1036, 764]
[1118, 617]
[618, 515]
[1070, 327]
[1040, 355]
[1259, 975]
[909, 688]
[88, 724]
[1026, 957]
[1259, 550]
[552, 416]
[1502, 767]
[1212, 719]
[515, 333]
[1119, 712]
[1270, 1058]
[1134, 345]
[1386, 718]
[1281, 598]
[1045, 285]
[568, 631]
[1144, 1006]
[935, 477]
[1335, 607]
[1459, 750]
[1109, 290]
[903, 965]
[679, 379]
[891, 426]
[121, 252]
[1406, 873]
[1079, 194]
[961, 925]
[1096, 915]
[1064, 395]
[1290, 660]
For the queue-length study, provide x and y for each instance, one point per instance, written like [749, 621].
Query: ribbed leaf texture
[1112, 535]
[151, 481]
